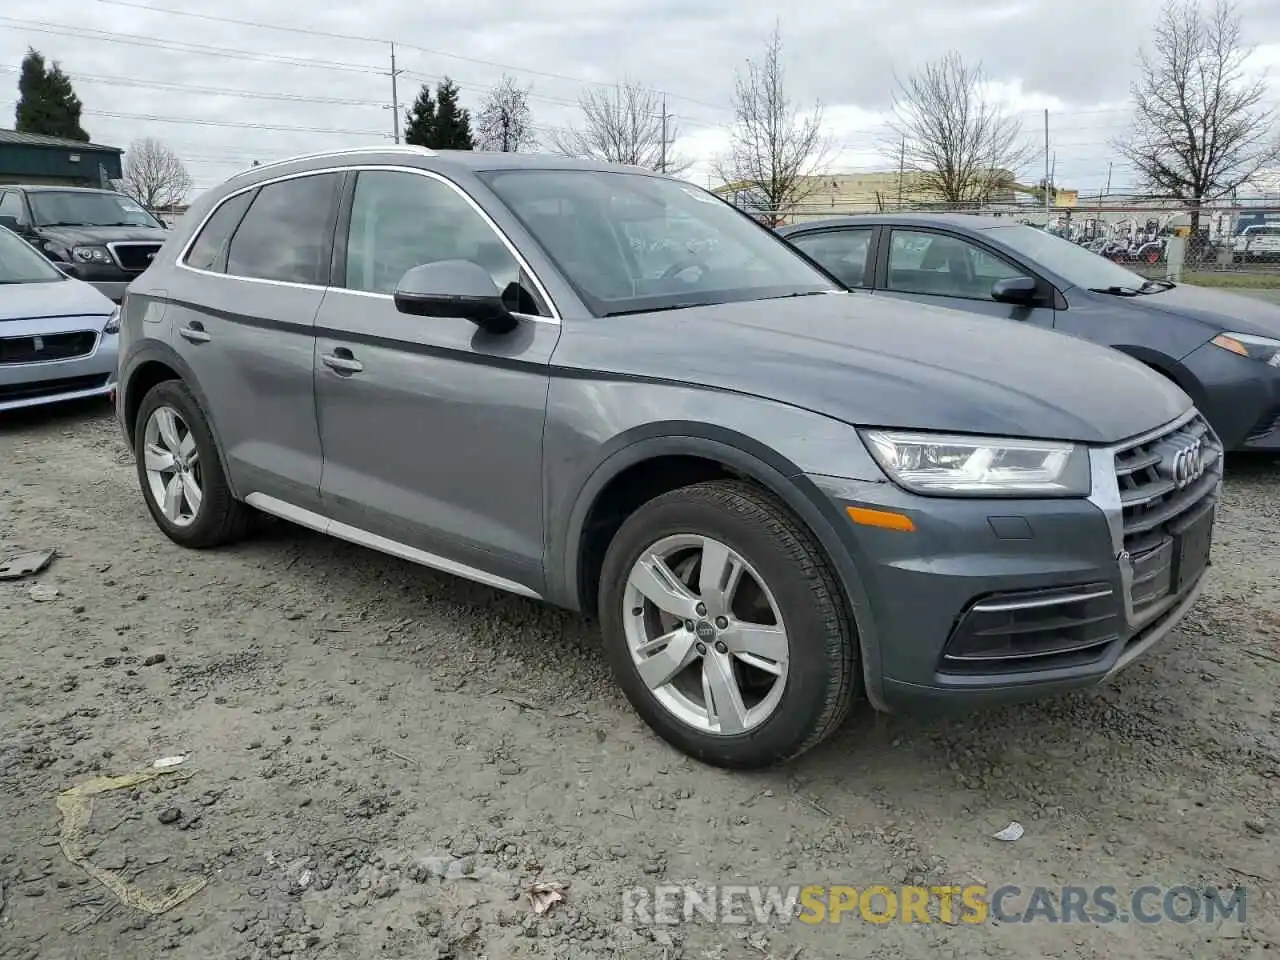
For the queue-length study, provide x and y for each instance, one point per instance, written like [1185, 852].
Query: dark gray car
[1222, 349]
[607, 389]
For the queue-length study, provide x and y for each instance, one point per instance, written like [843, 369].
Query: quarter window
[943, 265]
[842, 252]
[11, 206]
[285, 235]
[403, 220]
[207, 252]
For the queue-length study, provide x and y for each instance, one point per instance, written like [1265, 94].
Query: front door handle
[194, 333]
[341, 361]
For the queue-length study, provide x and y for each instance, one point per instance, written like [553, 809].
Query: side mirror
[1014, 290]
[10, 223]
[454, 288]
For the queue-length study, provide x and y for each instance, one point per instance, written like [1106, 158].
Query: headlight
[113, 322]
[91, 254]
[1247, 345]
[960, 466]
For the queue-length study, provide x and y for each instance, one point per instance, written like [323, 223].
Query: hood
[84, 236]
[1218, 310]
[878, 361]
[57, 298]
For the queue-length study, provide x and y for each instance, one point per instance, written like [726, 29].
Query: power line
[241, 124]
[182, 46]
[212, 91]
[307, 31]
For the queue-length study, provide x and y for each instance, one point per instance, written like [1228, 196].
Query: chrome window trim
[180, 262]
[408, 148]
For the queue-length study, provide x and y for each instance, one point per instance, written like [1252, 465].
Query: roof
[40, 140]
[58, 188]
[421, 156]
[958, 221]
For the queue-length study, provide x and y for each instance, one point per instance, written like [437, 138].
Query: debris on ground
[1010, 833]
[544, 895]
[26, 564]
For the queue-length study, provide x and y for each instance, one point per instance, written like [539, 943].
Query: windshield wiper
[1158, 286]
[674, 306]
[68, 223]
[1117, 291]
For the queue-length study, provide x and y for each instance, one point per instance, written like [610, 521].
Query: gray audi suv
[607, 389]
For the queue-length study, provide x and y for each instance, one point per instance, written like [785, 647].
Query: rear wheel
[725, 627]
[180, 473]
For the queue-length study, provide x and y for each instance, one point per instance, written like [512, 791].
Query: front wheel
[725, 627]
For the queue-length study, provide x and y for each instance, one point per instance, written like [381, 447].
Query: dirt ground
[381, 759]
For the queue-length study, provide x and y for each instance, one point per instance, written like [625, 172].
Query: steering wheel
[680, 266]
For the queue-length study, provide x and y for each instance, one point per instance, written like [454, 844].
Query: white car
[58, 335]
[1256, 242]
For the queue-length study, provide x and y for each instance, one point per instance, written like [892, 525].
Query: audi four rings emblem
[1188, 464]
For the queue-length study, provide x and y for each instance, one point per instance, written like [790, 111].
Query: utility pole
[395, 97]
[1046, 170]
[902, 167]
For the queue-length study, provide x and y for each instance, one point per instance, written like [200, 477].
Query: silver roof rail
[342, 152]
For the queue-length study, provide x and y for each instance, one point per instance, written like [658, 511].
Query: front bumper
[54, 381]
[1000, 600]
[1239, 396]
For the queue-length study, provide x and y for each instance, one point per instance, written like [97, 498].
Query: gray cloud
[1077, 59]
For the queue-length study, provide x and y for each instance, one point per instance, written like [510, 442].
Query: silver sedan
[57, 334]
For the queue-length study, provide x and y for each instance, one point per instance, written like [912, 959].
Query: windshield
[631, 243]
[68, 208]
[1078, 265]
[22, 263]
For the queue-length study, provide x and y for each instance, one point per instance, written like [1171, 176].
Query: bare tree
[504, 121]
[624, 123]
[776, 152]
[958, 144]
[1201, 126]
[153, 175]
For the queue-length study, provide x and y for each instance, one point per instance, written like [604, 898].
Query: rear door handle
[195, 333]
[342, 361]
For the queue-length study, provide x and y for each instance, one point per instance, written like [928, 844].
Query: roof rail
[342, 152]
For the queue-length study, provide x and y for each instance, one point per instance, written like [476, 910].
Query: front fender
[772, 444]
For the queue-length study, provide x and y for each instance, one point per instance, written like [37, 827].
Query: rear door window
[843, 253]
[287, 234]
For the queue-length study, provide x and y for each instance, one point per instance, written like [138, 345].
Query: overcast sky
[219, 92]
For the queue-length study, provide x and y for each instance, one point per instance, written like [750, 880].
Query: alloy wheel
[705, 634]
[173, 468]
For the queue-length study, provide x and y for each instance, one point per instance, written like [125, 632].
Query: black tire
[823, 678]
[220, 518]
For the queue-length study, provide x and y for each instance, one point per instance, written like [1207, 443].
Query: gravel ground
[380, 759]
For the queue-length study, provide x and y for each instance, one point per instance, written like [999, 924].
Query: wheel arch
[152, 363]
[657, 459]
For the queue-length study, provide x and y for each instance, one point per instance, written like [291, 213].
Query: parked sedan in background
[1222, 349]
[57, 334]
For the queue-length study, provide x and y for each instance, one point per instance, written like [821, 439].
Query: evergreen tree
[47, 103]
[453, 122]
[420, 121]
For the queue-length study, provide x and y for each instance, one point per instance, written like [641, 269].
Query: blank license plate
[1191, 550]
